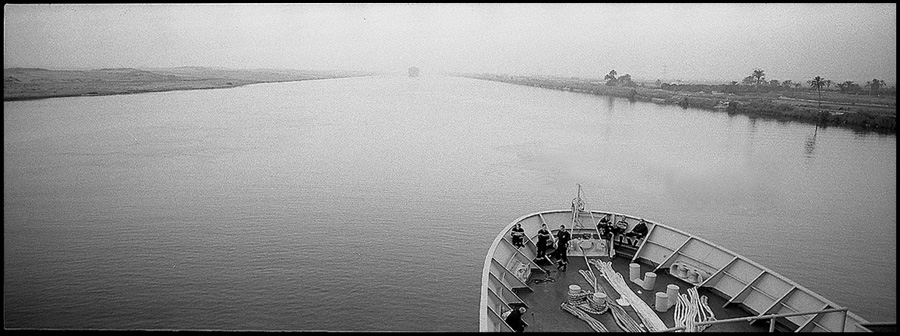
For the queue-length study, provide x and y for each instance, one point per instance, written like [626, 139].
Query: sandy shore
[34, 83]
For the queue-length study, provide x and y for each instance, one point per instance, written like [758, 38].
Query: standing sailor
[562, 246]
[543, 240]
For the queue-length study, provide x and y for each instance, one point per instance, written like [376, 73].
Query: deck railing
[770, 317]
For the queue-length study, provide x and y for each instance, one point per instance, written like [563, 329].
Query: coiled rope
[646, 314]
[623, 320]
[583, 300]
[575, 310]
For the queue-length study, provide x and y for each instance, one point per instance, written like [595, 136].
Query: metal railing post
[771, 319]
[844, 322]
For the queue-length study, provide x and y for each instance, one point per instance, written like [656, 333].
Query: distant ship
[413, 72]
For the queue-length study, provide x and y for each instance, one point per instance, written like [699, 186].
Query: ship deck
[735, 288]
[545, 315]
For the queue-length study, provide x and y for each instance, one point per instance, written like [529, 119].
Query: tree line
[757, 78]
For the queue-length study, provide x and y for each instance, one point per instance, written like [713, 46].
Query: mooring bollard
[672, 292]
[634, 271]
[649, 280]
[662, 302]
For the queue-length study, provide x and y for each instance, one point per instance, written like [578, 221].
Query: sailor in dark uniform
[515, 320]
[562, 246]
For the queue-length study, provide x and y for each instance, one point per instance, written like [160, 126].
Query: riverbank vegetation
[872, 107]
[36, 83]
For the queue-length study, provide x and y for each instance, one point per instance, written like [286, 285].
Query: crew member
[518, 236]
[562, 244]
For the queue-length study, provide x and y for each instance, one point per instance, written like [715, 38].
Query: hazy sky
[721, 42]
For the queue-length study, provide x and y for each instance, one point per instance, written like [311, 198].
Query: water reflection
[810, 148]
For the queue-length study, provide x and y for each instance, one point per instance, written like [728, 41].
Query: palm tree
[875, 85]
[758, 75]
[747, 80]
[847, 86]
[611, 75]
[842, 86]
[817, 83]
[611, 78]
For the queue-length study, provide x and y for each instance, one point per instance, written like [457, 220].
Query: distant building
[413, 72]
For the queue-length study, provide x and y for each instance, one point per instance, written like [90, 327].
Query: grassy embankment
[861, 112]
[34, 83]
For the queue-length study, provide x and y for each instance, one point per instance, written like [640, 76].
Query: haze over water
[692, 42]
[369, 203]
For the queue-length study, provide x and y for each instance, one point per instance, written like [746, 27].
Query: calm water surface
[369, 203]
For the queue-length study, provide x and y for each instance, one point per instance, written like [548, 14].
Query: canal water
[368, 204]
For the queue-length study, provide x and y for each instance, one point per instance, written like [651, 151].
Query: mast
[577, 208]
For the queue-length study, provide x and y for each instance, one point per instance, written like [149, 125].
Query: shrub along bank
[836, 112]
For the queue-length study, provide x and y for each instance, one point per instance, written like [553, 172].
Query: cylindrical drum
[599, 301]
[672, 292]
[662, 302]
[649, 280]
[574, 290]
[634, 271]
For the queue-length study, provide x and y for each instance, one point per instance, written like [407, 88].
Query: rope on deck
[591, 279]
[691, 309]
[589, 274]
[646, 314]
[583, 300]
[574, 310]
[623, 320]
